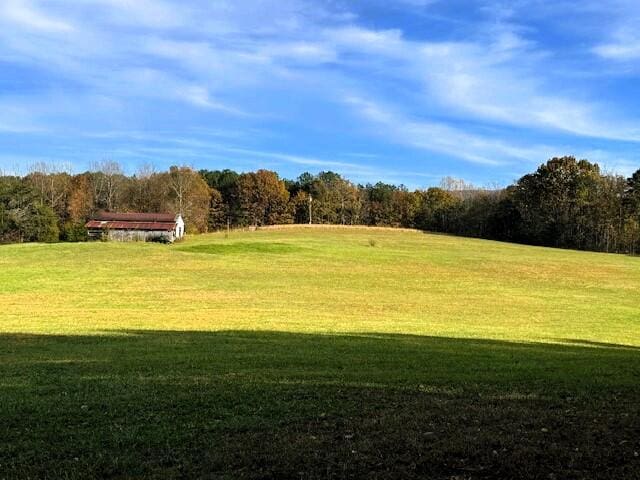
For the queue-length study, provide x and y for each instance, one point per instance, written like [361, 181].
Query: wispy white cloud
[157, 14]
[26, 14]
[416, 3]
[617, 38]
[442, 138]
[619, 51]
[200, 96]
[624, 45]
[496, 80]
[342, 166]
[147, 82]
[347, 167]
[158, 146]
[18, 118]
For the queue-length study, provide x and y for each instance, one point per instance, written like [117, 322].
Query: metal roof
[120, 225]
[135, 217]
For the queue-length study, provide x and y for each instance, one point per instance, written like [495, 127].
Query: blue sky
[404, 91]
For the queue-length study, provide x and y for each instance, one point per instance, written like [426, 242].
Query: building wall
[139, 235]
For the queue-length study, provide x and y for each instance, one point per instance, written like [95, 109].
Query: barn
[142, 227]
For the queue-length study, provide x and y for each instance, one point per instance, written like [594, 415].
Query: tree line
[565, 203]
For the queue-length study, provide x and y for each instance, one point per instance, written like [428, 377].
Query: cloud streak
[439, 137]
[27, 15]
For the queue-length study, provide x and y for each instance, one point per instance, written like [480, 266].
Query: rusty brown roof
[119, 225]
[135, 217]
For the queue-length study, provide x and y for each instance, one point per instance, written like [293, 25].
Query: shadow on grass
[590, 343]
[158, 404]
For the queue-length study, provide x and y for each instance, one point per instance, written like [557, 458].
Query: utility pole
[310, 202]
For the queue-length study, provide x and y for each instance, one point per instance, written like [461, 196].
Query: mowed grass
[318, 353]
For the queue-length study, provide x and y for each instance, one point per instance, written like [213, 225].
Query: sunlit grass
[315, 281]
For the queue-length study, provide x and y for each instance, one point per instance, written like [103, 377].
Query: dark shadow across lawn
[157, 404]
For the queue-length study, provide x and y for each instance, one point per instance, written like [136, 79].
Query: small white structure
[141, 227]
[179, 230]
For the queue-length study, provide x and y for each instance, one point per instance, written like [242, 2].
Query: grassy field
[318, 353]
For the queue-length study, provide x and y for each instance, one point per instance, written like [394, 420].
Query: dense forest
[565, 203]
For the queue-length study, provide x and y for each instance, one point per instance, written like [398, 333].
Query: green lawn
[318, 353]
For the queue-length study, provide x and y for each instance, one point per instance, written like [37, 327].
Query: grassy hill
[318, 353]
